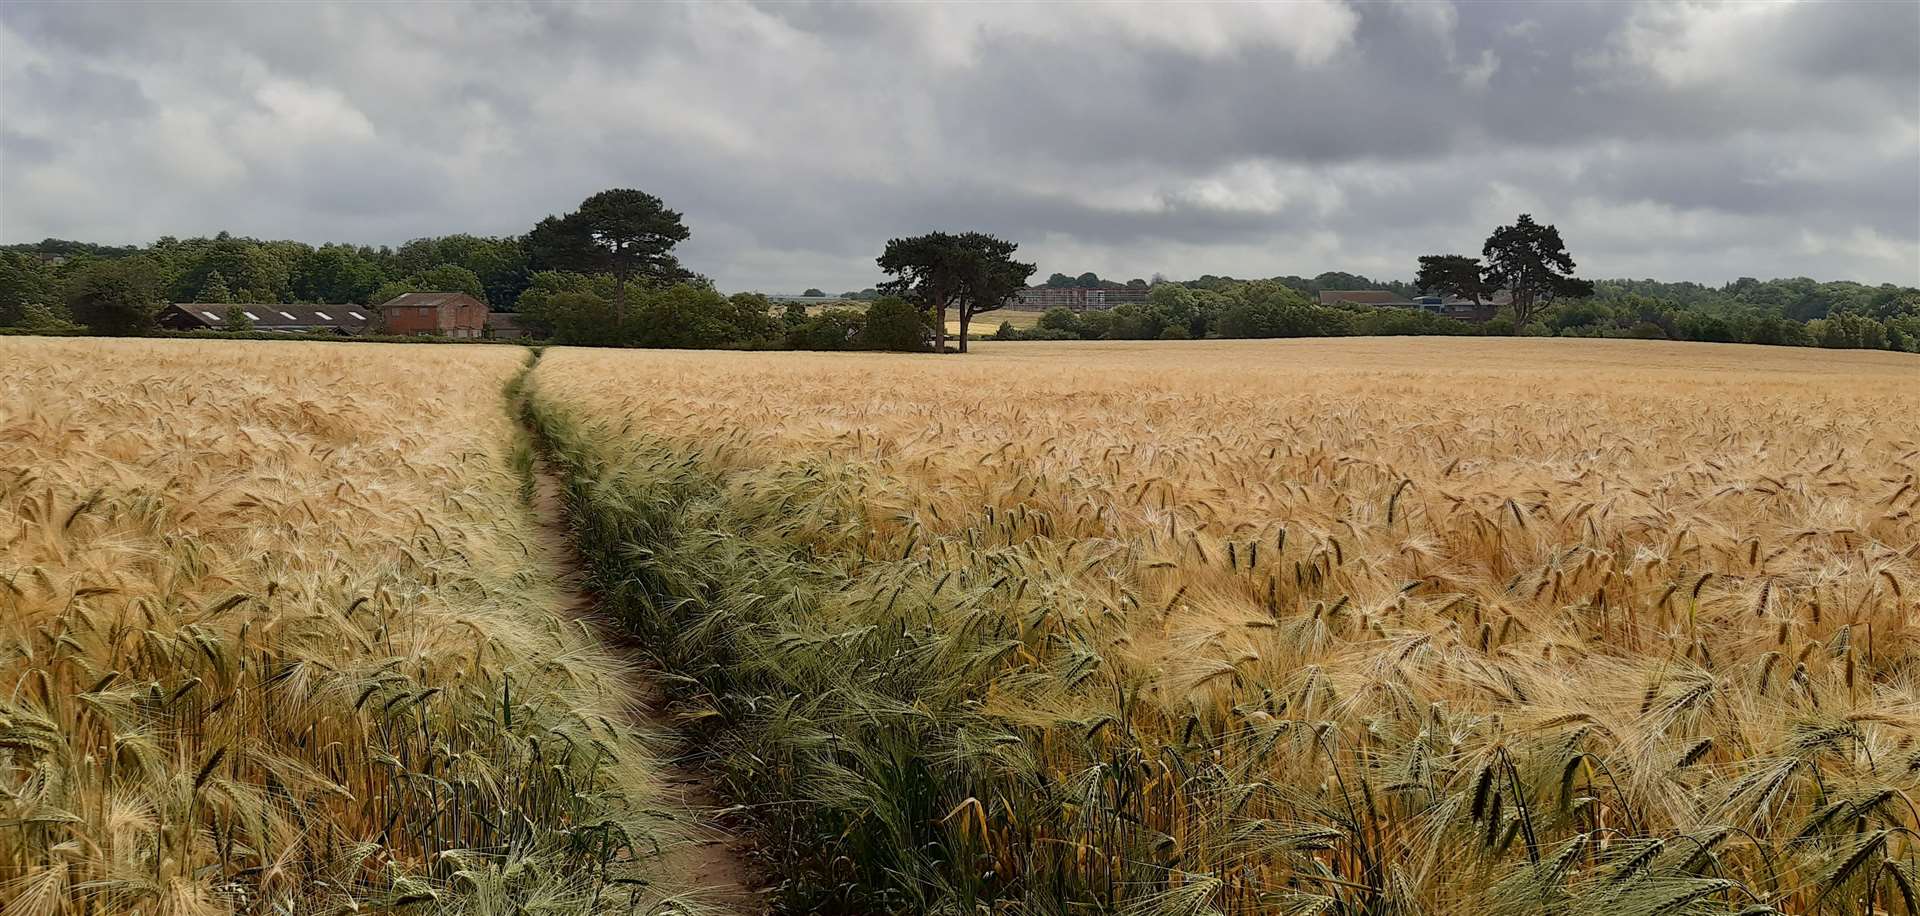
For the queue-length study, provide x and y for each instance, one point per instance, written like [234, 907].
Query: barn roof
[274, 316]
[431, 300]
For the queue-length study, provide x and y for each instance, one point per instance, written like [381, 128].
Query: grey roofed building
[506, 326]
[289, 319]
[1076, 298]
[1448, 306]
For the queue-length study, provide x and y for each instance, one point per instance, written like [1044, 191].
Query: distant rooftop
[274, 316]
[429, 300]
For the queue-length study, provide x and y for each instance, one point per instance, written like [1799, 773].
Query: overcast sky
[1679, 142]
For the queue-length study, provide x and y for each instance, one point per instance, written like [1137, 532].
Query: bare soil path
[714, 862]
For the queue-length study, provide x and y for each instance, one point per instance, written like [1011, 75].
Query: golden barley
[271, 640]
[1355, 626]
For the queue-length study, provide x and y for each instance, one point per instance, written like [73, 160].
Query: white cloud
[1696, 44]
[1312, 31]
[300, 113]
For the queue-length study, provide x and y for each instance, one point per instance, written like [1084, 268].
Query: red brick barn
[434, 314]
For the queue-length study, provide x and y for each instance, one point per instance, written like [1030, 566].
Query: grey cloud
[797, 138]
[24, 149]
[80, 89]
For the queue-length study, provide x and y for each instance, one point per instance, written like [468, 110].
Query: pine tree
[215, 289]
[1531, 262]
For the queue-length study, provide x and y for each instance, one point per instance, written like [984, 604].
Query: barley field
[273, 640]
[1382, 626]
[986, 323]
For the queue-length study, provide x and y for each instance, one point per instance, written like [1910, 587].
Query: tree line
[1851, 315]
[606, 274]
[1528, 262]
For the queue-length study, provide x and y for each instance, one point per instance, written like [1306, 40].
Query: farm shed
[506, 326]
[434, 314]
[291, 319]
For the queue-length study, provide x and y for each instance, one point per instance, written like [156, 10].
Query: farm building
[290, 319]
[434, 314]
[1073, 297]
[1448, 306]
[506, 326]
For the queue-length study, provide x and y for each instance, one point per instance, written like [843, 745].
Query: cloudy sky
[1679, 142]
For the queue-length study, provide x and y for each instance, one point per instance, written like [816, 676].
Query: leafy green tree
[750, 316]
[832, 329]
[1647, 330]
[1063, 319]
[893, 323]
[1088, 280]
[1576, 315]
[1095, 324]
[1452, 275]
[1779, 331]
[336, 274]
[25, 280]
[254, 271]
[536, 308]
[42, 318]
[1336, 279]
[1267, 309]
[1701, 326]
[1130, 321]
[623, 232]
[451, 278]
[793, 314]
[1531, 262]
[579, 318]
[1171, 304]
[1058, 281]
[813, 292]
[1391, 322]
[540, 309]
[1850, 330]
[687, 316]
[216, 290]
[500, 263]
[1903, 333]
[972, 272]
[235, 319]
[120, 297]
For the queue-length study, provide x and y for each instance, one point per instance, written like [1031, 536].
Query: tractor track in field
[712, 866]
